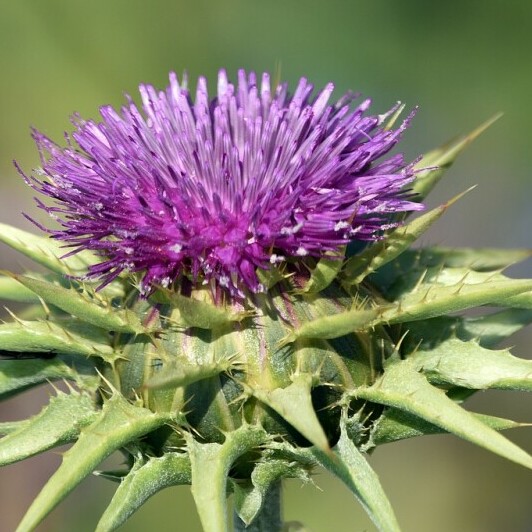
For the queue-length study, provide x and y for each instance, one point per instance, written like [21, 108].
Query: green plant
[233, 390]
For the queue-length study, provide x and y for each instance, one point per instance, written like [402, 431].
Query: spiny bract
[218, 322]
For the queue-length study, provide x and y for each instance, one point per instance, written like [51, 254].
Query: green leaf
[7, 427]
[416, 265]
[402, 387]
[427, 301]
[324, 273]
[450, 276]
[430, 300]
[468, 365]
[12, 290]
[58, 423]
[48, 337]
[477, 259]
[147, 477]
[270, 277]
[249, 495]
[19, 375]
[434, 163]
[182, 372]
[334, 326]
[523, 301]
[82, 306]
[491, 329]
[196, 313]
[350, 466]
[46, 251]
[395, 425]
[358, 267]
[294, 404]
[118, 424]
[211, 463]
[488, 329]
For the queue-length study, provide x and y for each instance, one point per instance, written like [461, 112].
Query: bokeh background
[460, 61]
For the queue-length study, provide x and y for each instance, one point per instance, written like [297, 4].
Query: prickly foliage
[337, 357]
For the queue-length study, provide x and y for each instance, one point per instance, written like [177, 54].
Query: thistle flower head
[233, 396]
[214, 189]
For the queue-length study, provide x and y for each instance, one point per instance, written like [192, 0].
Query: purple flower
[214, 189]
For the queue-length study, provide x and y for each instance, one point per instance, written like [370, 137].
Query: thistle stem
[269, 518]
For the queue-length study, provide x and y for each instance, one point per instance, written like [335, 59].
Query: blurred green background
[460, 61]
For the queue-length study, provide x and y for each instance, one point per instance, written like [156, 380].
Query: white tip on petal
[364, 106]
[222, 83]
[291, 230]
[342, 224]
[274, 259]
[242, 80]
[201, 89]
[174, 85]
[384, 116]
[265, 88]
[321, 101]
[175, 248]
[299, 93]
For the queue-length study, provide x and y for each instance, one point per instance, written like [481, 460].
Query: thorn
[69, 335]
[12, 314]
[45, 307]
[419, 282]
[441, 268]
[416, 349]
[464, 277]
[424, 299]
[457, 292]
[290, 338]
[57, 390]
[453, 200]
[242, 398]
[112, 389]
[71, 388]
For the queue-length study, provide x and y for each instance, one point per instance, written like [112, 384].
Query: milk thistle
[234, 300]
[213, 190]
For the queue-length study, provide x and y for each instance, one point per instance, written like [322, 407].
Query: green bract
[231, 399]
